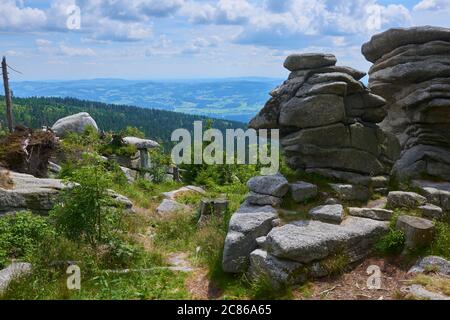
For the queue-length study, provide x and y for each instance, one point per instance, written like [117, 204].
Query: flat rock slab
[431, 211]
[14, 270]
[246, 225]
[140, 143]
[351, 192]
[30, 193]
[328, 213]
[170, 206]
[306, 241]
[437, 193]
[275, 185]
[431, 264]
[263, 199]
[302, 191]
[418, 232]
[384, 42]
[296, 62]
[371, 213]
[402, 199]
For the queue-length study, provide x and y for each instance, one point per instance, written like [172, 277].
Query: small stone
[401, 199]
[330, 201]
[170, 206]
[302, 191]
[371, 213]
[261, 242]
[276, 223]
[431, 211]
[263, 199]
[351, 192]
[328, 213]
[418, 232]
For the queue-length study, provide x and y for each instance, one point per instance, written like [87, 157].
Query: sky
[187, 39]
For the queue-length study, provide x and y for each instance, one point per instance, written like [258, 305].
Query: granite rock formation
[411, 70]
[328, 119]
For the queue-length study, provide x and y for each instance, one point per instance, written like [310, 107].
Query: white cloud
[432, 5]
[76, 52]
[110, 30]
[42, 42]
[14, 17]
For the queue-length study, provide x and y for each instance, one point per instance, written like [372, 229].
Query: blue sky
[157, 39]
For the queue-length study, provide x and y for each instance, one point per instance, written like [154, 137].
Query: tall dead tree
[9, 116]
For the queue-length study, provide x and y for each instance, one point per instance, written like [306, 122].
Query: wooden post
[9, 116]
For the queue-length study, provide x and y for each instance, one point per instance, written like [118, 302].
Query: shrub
[391, 244]
[441, 243]
[21, 233]
[159, 165]
[84, 213]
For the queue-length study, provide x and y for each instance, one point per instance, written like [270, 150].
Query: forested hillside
[156, 124]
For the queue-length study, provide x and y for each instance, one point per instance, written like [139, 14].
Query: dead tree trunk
[9, 116]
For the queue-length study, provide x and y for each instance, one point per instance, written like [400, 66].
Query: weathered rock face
[39, 196]
[412, 72]
[328, 119]
[75, 123]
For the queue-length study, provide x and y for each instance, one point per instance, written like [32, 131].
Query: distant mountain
[233, 99]
[156, 124]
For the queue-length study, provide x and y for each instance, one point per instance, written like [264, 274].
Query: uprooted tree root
[28, 151]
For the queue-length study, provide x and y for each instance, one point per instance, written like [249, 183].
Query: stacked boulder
[290, 252]
[412, 72]
[328, 119]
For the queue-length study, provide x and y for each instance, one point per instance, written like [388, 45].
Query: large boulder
[246, 225]
[75, 123]
[411, 71]
[274, 185]
[328, 119]
[403, 199]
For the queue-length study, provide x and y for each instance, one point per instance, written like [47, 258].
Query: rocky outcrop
[328, 119]
[412, 72]
[75, 123]
[40, 195]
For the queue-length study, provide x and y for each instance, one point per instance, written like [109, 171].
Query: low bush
[21, 234]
